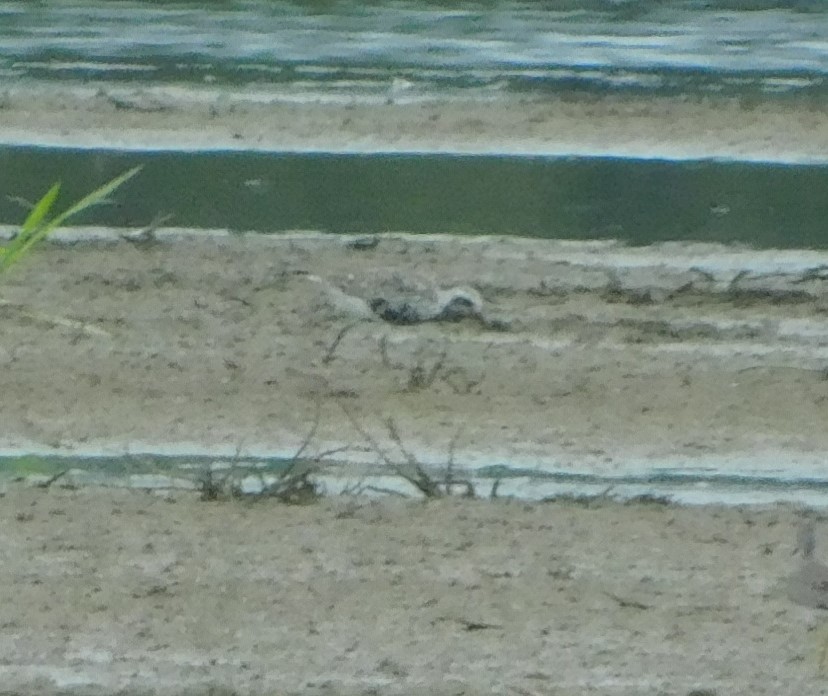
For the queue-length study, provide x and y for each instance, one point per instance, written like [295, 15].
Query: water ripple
[358, 49]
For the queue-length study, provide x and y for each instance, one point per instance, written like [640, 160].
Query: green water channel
[638, 201]
[121, 465]
[248, 476]
[148, 471]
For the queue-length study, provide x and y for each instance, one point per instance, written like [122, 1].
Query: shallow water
[356, 51]
[417, 49]
[638, 201]
[249, 476]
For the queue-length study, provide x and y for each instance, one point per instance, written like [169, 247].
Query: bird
[808, 587]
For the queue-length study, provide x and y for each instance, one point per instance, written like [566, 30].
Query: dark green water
[633, 200]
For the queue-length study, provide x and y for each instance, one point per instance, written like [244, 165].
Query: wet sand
[172, 118]
[123, 592]
[587, 357]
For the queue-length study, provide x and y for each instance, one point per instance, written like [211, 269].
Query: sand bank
[173, 118]
[585, 357]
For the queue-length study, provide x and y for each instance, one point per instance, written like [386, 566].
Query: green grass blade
[34, 228]
[33, 221]
[96, 197]
[40, 211]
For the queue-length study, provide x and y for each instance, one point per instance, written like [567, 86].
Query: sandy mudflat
[125, 592]
[583, 357]
[168, 117]
[589, 357]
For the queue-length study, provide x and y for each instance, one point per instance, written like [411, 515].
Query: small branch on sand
[411, 470]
